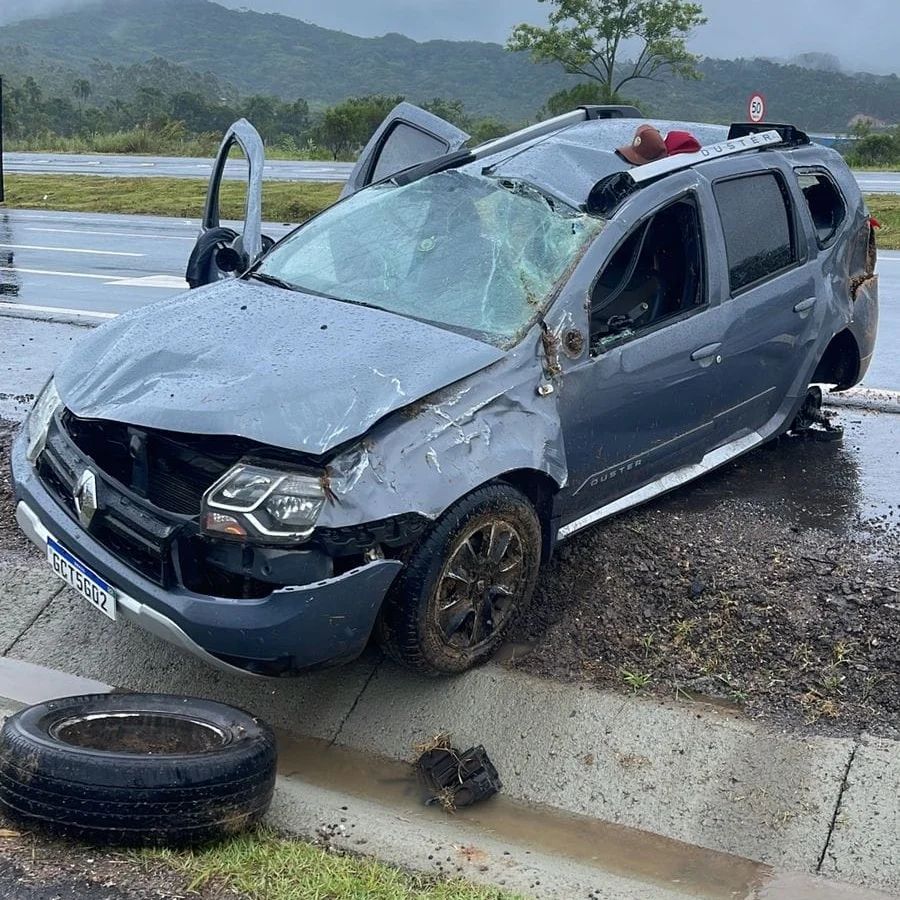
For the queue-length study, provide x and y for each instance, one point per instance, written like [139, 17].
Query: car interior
[657, 273]
[825, 205]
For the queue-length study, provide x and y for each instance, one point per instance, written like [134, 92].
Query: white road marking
[57, 310]
[154, 281]
[53, 272]
[175, 282]
[137, 234]
[70, 250]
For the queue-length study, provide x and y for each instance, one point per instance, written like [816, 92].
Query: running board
[710, 461]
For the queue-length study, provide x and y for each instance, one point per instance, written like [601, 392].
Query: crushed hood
[246, 359]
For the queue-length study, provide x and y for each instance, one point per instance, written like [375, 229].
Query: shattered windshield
[463, 251]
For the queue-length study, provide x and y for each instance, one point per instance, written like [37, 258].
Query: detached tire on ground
[136, 769]
[463, 584]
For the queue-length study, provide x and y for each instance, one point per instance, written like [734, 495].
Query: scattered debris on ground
[455, 779]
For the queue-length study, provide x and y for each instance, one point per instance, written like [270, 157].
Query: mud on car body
[389, 419]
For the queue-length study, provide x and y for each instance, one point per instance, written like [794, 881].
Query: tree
[589, 37]
[81, 88]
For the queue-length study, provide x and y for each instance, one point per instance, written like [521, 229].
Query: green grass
[283, 201]
[264, 866]
[886, 208]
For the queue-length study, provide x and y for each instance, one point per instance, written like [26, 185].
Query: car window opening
[461, 251]
[655, 275]
[826, 205]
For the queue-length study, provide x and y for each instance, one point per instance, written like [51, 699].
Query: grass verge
[283, 201]
[264, 866]
[886, 208]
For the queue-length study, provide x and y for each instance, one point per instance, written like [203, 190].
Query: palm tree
[81, 88]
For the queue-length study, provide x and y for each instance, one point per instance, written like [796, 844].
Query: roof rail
[791, 136]
[609, 192]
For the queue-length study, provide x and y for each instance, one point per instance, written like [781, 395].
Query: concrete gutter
[323, 802]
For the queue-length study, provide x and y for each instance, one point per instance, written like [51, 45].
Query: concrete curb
[874, 399]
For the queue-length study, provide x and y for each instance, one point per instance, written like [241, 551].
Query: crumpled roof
[568, 163]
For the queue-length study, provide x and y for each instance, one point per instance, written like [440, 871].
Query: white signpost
[756, 107]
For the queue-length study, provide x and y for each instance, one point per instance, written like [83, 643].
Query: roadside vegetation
[257, 866]
[265, 866]
[283, 201]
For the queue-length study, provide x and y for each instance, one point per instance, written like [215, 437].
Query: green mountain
[234, 51]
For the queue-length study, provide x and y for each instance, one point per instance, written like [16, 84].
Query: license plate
[77, 575]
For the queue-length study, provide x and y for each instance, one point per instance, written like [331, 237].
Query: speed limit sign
[756, 107]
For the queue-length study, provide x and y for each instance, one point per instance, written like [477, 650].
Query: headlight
[251, 502]
[38, 422]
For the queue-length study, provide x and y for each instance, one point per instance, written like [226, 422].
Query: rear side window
[759, 233]
[826, 205]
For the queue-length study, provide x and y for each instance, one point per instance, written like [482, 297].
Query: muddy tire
[136, 769]
[464, 583]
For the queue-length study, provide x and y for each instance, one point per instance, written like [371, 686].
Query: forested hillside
[123, 47]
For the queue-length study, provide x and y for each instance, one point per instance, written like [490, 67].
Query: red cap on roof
[681, 142]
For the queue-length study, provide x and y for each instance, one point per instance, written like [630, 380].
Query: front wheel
[464, 583]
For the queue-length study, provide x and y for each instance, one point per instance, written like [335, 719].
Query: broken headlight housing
[255, 503]
[39, 419]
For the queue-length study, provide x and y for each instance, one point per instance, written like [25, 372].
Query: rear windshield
[471, 253]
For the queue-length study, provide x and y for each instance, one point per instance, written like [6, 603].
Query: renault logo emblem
[85, 496]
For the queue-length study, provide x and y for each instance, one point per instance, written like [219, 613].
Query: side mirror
[229, 260]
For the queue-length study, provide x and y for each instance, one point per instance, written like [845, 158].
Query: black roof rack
[791, 136]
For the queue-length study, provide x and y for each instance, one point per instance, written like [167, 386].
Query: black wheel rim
[480, 584]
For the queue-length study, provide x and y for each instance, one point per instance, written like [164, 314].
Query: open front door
[408, 136]
[224, 252]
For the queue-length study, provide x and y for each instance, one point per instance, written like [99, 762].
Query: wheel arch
[540, 489]
[840, 363]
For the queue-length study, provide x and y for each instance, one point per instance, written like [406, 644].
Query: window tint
[655, 274]
[406, 146]
[826, 205]
[759, 236]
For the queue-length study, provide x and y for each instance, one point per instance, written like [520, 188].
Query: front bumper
[292, 629]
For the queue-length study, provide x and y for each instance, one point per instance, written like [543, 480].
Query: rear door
[408, 136]
[222, 252]
[770, 293]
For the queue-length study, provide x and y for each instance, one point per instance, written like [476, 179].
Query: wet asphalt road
[277, 169]
[127, 166]
[96, 263]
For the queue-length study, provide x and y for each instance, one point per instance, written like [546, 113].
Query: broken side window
[656, 274]
[825, 202]
[759, 232]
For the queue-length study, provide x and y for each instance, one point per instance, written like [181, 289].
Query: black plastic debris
[813, 423]
[458, 779]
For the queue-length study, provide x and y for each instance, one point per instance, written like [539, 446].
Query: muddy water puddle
[615, 849]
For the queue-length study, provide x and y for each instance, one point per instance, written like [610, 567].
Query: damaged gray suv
[385, 422]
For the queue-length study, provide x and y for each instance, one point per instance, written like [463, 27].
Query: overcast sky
[864, 34]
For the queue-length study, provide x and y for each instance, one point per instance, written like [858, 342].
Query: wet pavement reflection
[846, 487]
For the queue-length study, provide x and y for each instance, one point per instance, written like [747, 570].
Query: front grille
[133, 535]
[172, 471]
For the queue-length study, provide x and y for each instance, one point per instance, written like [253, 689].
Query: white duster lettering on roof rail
[652, 170]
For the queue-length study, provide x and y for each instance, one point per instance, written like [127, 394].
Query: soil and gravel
[744, 588]
[37, 868]
[767, 585]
